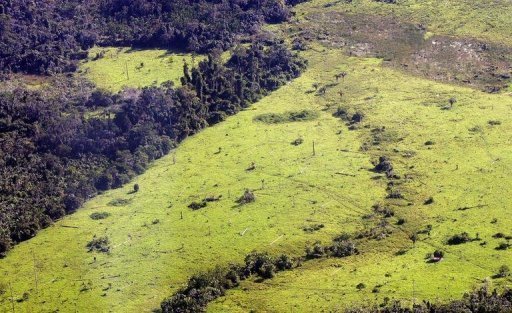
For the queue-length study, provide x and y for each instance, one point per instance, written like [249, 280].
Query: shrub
[315, 252]
[197, 205]
[99, 215]
[260, 264]
[360, 286]
[341, 249]
[101, 244]
[283, 262]
[503, 246]
[136, 188]
[459, 239]
[401, 221]
[247, 197]
[297, 142]
[313, 228]
[292, 116]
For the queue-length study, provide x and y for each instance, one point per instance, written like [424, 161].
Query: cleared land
[116, 68]
[456, 154]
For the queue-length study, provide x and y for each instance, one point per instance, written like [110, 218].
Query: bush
[136, 188]
[315, 252]
[297, 142]
[503, 246]
[247, 197]
[459, 239]
[99, 215]
[101, 244]
[360, 286]
[341, 249]
[197, 205]
[283, 262]
[260, 264]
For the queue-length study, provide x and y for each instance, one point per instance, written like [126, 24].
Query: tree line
[60, 147]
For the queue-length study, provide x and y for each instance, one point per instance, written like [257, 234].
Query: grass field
[125, 67]
[464, 168]
[157, 242]
[148, 260]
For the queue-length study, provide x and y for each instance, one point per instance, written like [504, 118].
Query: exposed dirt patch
[406, 46]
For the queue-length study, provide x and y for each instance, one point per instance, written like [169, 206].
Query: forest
[50, 37]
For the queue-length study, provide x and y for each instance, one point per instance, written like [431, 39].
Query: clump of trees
[206, 287]
[477, 301]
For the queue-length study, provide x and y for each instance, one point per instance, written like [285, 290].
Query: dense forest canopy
[48, 37]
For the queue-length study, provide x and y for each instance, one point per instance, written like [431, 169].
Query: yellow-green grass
[150, 261]
[126, 67]
[486, 20]
[463, 168]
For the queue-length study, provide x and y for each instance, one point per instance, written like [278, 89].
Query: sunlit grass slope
[465, 168]
[115, 68]
[154, 250]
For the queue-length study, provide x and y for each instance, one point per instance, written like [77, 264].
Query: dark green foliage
[51, 36]
[99, 215]
[385, 166]
[136, 188]
[459, 239]
[341, 249]
[279, 118]
[297, 142]
[316, 251]
[481, 301]
[503, 246]
[283, 262]
[260, 264]
[197, 205]
[100, 244]
[206, 287]
[361, 286]
[313, 228]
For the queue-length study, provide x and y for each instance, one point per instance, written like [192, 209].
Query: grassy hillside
[455, 154]
[153, 250]
[465, 170]
[108, 67]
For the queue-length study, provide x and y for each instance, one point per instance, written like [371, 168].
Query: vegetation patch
[99, 215]
[100, 244]
[287, 117]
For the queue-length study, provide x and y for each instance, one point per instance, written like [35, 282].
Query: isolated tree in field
[452, 101]
[136, 188]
